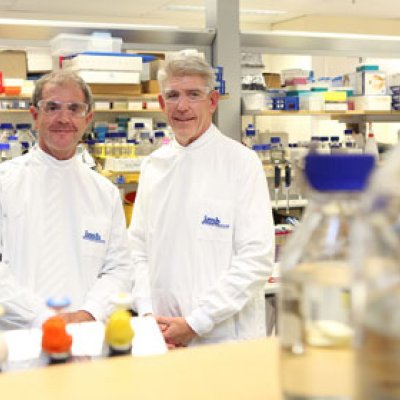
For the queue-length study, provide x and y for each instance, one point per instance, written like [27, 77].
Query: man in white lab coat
[201, 235]
[62, 227]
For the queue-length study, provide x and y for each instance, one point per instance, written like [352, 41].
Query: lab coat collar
[201, 141]
[50, 160]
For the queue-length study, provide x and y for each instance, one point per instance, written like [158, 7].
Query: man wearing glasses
[201, 235]
[62, 224]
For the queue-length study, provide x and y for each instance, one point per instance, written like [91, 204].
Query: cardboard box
[151, 86]
[13, 64]
[272, 80]
[123, 90]
[150, 70]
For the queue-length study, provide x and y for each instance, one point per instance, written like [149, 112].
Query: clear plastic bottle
[6, 130]
[144, 147]
[350, 145]
[371, 147]
[158, 137]
[324, 145]
[25, 136]
[335, 145]
[4, 152]
[376, 297]
[315, 306]
[277, 151]
[138, 128]
[15, 146]
[249, 137]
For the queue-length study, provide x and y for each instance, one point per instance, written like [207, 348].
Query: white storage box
[253, 100]
[102, 105]
[110, 77]
[370, 83]
[312, 102]
[103, 62]
[336, 106]
[68, 43]
[372, 103]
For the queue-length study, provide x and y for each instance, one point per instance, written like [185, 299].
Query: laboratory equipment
[6, 130]
[158, 137]
[249, 137]
[25, 136]
[315, 312]
[277, 151]
[5, 152]
[277, 181]
[371, 146]
[376, 297]
[288, 182]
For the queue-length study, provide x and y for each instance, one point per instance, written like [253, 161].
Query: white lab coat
[62, 232]
[202, 237]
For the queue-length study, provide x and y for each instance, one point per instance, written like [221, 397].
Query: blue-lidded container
[338, 172]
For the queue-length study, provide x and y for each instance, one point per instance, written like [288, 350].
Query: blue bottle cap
[6, 125]
[159, 134]
[338, 172]
[23, 126]
[58, 302]
[275, 139]
[4, 146]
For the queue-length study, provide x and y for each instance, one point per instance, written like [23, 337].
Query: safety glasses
[53, 107]
[173, 96]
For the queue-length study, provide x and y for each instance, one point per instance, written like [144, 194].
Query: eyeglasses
[172, 96]
[52, 107]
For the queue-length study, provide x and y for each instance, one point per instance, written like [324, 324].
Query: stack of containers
[370, 91]
[97, 58]
[297, 85]
[395, 97]
[219, 78]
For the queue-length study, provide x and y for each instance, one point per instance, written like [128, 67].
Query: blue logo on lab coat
[214, 222]
[93, 237]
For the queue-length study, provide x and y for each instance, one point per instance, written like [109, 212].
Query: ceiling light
[79, 24]
[247, 11]
[333, 35]
[250, 11]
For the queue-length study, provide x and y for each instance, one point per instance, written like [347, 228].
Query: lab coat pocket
[215, 221]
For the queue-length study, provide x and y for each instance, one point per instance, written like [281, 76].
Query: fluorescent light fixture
[251, 11]
[333, 35]
[247, 11]
[80, 24]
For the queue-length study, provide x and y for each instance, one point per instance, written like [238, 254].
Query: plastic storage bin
[68, 43]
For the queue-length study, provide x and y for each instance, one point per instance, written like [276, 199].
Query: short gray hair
[61, 78]
[183, 64]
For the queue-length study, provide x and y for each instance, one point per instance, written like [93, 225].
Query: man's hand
[176, 331]
[77, 316]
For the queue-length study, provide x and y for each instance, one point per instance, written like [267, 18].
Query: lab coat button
[4, 215]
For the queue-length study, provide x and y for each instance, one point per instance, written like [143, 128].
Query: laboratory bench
[247, 370]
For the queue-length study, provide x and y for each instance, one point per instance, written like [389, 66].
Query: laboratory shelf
[328, 113]
[125, 111]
